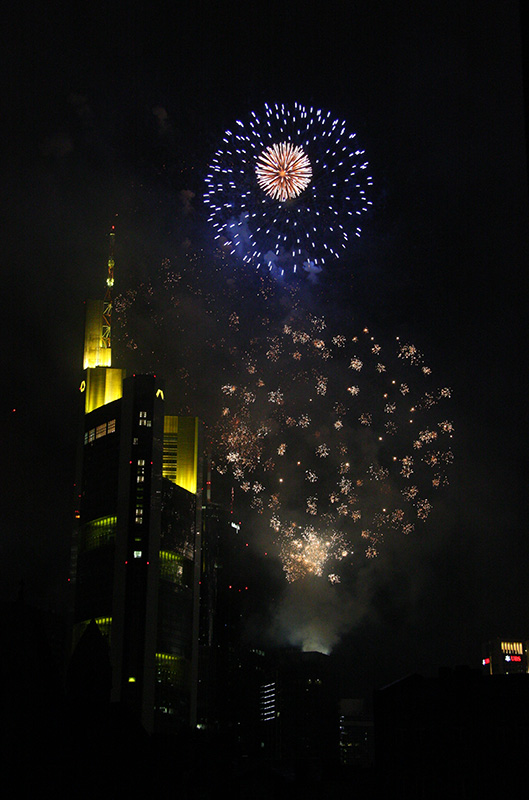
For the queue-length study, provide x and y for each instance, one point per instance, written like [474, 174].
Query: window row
[99, 431]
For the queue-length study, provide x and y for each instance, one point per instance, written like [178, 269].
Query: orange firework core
[283, 171]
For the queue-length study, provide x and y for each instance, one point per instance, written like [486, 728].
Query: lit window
[111, 426]
[92, 435]
[101, 430]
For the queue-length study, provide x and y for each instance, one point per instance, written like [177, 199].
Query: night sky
[113, 115]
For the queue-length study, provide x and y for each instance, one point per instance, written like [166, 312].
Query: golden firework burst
[283, 171]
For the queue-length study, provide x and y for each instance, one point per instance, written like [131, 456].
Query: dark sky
[116, 111]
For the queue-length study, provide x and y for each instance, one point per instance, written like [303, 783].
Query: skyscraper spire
[98, 328]
[102, 383]
[107, 303]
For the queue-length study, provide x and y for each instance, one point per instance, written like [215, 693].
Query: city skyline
[125, 122]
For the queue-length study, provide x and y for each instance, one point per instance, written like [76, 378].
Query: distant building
[462, 734]
[221, 599]
[357, 742]
[136, 554]
[299, 710]
[505, 657]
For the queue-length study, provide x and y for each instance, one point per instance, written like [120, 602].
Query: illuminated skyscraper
[136, 555]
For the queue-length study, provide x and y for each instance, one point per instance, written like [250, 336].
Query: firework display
[336, 440]
[287, 188]
[283, 171]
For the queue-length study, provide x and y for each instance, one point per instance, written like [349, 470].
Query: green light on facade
[98, 533]
[171, 567]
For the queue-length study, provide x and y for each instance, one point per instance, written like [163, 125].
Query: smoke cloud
[313, 615]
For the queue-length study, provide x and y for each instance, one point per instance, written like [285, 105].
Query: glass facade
[98, 533]
[175, 607]
[135, 542]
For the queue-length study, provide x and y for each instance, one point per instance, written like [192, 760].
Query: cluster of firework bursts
[337, 441]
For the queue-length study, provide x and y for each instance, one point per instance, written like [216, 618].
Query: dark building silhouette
[230, 666]
[357, 741]
[220, 616]
[461, 734]
[299, 709]
[31, 695]
[91, 726]
[136, 552]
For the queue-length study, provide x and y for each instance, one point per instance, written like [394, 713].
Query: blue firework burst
[287, 188]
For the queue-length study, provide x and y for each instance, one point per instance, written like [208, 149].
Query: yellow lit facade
[181, 451]
[102, 385]
[96, 351]
[512, 648]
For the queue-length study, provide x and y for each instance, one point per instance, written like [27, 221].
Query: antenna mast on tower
[107, 303]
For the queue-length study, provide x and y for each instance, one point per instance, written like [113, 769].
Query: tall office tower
[224, 591]
[299, 708]
[136, 556]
